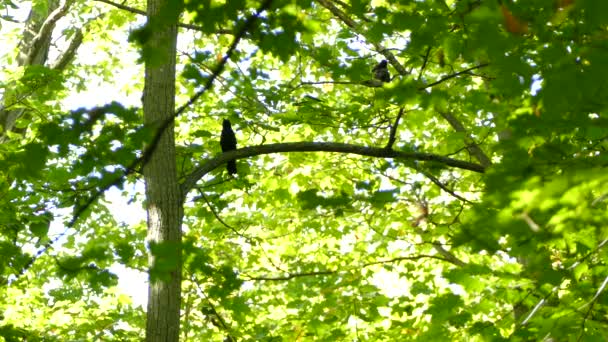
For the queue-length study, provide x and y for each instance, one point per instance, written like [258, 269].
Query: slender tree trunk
[162, 189]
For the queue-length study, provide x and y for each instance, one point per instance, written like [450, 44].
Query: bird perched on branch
[228, 143]
[381, 71]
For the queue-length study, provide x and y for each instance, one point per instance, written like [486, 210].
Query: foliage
[327, 246]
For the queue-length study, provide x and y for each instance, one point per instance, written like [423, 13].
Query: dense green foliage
[325, 246]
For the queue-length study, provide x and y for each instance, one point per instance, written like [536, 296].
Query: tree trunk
[162, 189]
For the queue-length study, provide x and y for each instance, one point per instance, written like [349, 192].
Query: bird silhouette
[228, 143]
[381, 71]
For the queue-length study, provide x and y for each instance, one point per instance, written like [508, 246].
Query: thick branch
[68, 55]
[45, 31]
[378, 152]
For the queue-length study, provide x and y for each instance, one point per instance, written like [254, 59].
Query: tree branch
[465, 71]
[426, 59]
[290, 276]
[443, 187]
[142, 12]
[472, 146]
[393, 132]
[46, 30]
[447, 255]
[304, 146]
[434, 180]
[217, 216]
[68, 55]
[329, 82]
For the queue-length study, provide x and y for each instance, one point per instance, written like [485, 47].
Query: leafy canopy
[329, 246]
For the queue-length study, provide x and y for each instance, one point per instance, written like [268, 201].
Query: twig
[535, 309]
[330, 272]
[426, 59]
[595, 250]
[222, 322]
[329, 82]
[591, 304]
[443, 187]
[472, 147]
[217, 216]
[294, 275]
[454, 75]
[123, 7]
[393, 132]
[533, 225]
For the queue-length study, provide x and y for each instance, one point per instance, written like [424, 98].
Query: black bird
[228, 143]
[381, 71]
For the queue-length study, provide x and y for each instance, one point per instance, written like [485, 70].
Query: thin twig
[222, 322]
[426, 59]
[454, 75]
[593, 301]
[217, 216]
[329, 82]
[330, 272]
[393, 132]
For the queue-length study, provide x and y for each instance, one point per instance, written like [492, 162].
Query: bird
[228, 143]
[381, 71]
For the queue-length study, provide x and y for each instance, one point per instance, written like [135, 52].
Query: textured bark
[162, 189]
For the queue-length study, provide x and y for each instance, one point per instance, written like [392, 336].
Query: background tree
[463, 200]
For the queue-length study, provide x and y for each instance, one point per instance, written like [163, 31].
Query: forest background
[463, 200]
